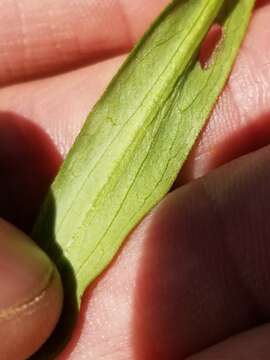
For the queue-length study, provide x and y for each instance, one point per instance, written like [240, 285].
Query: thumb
[30, 295]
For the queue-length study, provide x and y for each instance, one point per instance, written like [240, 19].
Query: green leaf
[137, 137]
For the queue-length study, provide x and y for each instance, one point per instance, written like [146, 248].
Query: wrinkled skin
[192, 280]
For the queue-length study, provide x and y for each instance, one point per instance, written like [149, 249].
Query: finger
[195, 272]
[30, 297]
[253, 344]
[37, 38]
[40, 39]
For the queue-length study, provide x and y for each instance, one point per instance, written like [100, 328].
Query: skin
[192, 280]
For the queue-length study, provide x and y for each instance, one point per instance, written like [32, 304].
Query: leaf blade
[139, 134]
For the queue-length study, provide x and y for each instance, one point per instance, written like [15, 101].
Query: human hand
[195, 271]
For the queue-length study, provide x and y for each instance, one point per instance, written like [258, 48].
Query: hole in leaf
[209, 45]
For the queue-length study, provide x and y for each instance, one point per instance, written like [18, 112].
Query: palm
[64, 34]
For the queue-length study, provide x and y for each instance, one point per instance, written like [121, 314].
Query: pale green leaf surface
[138, 136]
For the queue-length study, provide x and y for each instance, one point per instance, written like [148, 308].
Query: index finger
[43, 37]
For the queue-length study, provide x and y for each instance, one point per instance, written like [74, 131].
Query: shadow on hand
[188, 292]
[262, 3]
[254, 136]
[28, 163]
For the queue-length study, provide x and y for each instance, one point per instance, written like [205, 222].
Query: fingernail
[25, 271]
